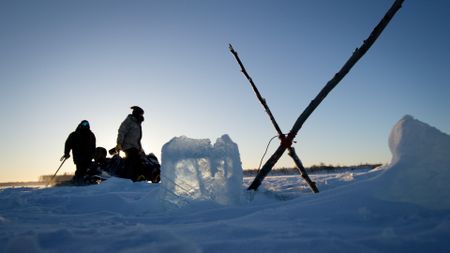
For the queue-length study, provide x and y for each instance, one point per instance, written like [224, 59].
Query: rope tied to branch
[286, 140]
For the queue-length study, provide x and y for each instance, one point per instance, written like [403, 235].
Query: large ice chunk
[194, 169]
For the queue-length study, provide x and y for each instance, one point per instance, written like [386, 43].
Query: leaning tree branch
[255, 89]
[292, 153]
[357, 54]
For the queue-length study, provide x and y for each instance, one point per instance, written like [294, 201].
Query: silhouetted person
[82, 144]
[129, 140]
[100, 163]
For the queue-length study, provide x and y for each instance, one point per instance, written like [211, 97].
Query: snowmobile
[115, 167]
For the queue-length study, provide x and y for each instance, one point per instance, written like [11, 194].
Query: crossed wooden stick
[286, 140]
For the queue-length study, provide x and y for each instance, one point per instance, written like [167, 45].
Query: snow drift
[419, 172]
[194, 169]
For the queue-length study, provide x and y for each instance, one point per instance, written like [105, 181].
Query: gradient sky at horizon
[65, 61]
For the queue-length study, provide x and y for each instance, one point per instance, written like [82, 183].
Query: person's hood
[138, 119]
[83, 126]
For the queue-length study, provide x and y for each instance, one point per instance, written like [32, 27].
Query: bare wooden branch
[312, 185]
[281, 135]
[255, 89]
[357, 54]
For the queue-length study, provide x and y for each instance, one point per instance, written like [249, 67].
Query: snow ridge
[419, 172]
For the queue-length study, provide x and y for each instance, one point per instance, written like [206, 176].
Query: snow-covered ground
[403, 207]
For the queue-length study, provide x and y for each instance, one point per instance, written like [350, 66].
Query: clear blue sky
[65, 61]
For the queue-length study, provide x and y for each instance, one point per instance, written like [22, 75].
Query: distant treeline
[59, 178]
[43, 180]
[321, 168]
[21, 184]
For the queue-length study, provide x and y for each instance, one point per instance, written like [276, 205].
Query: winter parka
[130, 133]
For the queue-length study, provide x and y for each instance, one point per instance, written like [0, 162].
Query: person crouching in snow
[100, 168]
[129, 140]
[100, 163]
[82, 144]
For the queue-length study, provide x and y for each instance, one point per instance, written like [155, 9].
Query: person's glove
[65, 156]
